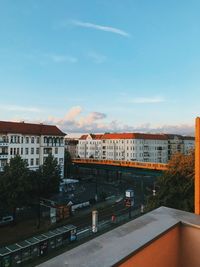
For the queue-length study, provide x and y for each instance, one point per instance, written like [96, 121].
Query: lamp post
[154, 189]
[96, 191]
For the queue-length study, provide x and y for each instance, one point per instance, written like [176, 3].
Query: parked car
[6, 220]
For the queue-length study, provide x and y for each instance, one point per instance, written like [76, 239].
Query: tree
[175, 188]
[68, 164]
[15, 185]
[49, 177]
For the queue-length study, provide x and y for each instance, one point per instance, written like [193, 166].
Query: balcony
[3, 155]
[4, 143]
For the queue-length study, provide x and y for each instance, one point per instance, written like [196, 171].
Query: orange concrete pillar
[197, 167]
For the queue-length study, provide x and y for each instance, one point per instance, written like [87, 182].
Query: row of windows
[22, 151]
[32, 151]
[90, 142]
[53, 140]
[127, 148]
[36, 162]
[16, 139]
[32, 162]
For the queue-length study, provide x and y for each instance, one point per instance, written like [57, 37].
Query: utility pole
[96, 192]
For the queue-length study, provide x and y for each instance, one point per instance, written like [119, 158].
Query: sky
[101, 65]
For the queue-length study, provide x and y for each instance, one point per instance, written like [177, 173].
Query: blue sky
[101, 65]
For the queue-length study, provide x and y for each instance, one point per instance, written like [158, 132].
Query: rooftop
[29, 128]
[161, 238]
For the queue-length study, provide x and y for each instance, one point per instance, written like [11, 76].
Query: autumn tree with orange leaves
[175, 188]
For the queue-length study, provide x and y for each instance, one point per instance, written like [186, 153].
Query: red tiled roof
[29, 128]
[83, 137]
[94, 136]
[134, 136]
[97, 136]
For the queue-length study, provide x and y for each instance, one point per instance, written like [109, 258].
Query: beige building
[33, 142]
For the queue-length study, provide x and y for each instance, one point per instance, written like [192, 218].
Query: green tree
[50, 178]
[67, 164]
[15, 185]
[175, 188]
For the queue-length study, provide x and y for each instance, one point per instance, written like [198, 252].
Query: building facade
[90, 146]
[71, 145]
[33, 142]
[133, 146]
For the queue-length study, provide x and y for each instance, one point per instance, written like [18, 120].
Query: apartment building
[133, 146]
[90, 146]
[179, 144]
[33, 142]
[124, 146]
[71, 145]
[188, 144]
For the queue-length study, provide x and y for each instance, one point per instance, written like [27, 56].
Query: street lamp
[154, 189]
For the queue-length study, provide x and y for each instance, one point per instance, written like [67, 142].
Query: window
[32, 162]
[37, 161]
[56, 150]
[37, 150]
[11, 139]
[11, 151]
[32, 140]
[26, 161]
[38, 140]
[32, 151]
[26, 151]
[21, 151]
[17, 151]
[22, 140]
[27, 140]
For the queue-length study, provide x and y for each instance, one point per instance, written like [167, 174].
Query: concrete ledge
[113, 247]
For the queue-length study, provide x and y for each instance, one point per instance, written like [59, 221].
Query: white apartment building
[89, 146]
[133, 146]
[33, 142]
[188, 144]
[124, 146]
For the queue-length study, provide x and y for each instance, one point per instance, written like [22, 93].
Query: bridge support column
[197, 167]
[107, 175]
[118, 175]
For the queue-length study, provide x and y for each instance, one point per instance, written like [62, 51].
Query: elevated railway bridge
[121, 163]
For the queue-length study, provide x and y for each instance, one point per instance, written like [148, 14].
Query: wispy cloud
[62, 58]
[100, 27]
[96, 57]
[46, 58]
[19, 108]
[147, 100]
